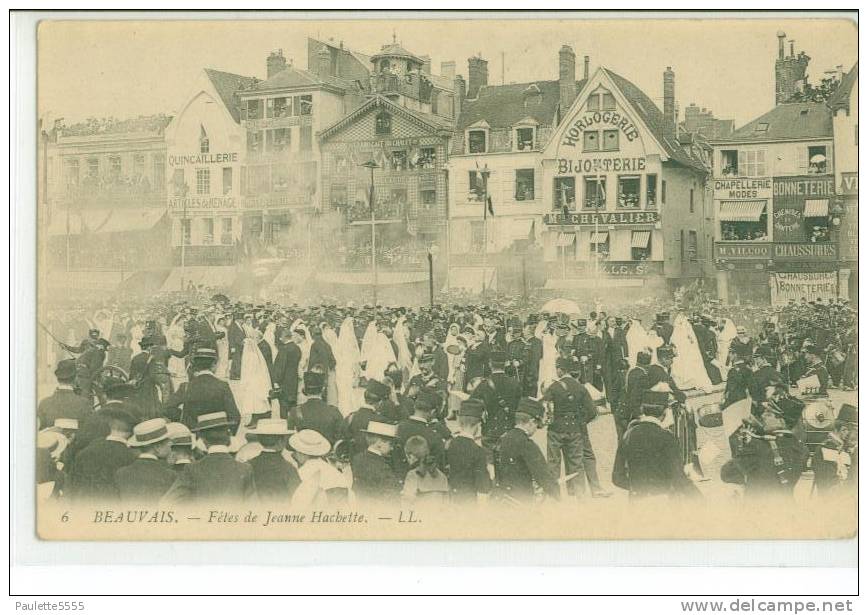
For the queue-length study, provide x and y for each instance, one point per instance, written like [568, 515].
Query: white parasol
[563, 306]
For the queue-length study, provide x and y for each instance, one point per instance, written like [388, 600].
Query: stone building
[702, 121]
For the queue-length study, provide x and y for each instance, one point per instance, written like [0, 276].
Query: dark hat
[314, 381]
[427, 399]
[564, 363]
[848, 414]
[427, 357]
[497, 357]
[655, 399]
[664, 315]
[530, 407]
[619, 321]
[666, 351]
[65, 369]
[377, 389]
[765, 351]
[211, 420]
[147, 342]
[120, 414]
[582, 322]
[205, 353]
[94, 333]
[472, 407]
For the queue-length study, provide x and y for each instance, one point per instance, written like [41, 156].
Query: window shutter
[742, 162]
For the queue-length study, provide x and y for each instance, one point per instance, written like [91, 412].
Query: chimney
[781, 36]
[567, 76]
[587, 67]
[426, 64]
[323, 62]
[792, 49]
[447, 69]
[477, 75]
[669, 100]
[460, 93]
[275, 63]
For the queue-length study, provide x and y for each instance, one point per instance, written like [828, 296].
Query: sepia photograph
[446, 278]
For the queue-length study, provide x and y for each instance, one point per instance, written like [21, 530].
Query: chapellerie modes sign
[602, 218]
[743, 188]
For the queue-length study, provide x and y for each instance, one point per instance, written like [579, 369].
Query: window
[477, 236]
[226, 231]
[179, 182]
[383, 123]
[475, 189]
[339, 164]
[186, 231]
[600, 245]
[640, 246]
[743, 221]
[278, 107]
[595, 192]
[663, 191]
[254, 141]
[258, 179]
[338, 196]
[692, 245]
[651, 191]
[277, 140]
[566, 247]
[394, 209]
[428, 198]
[629, 191]
[204, 143]
[591, 141]
[752, 163]
[93, 167]
[398, 160]
[427, 158]
[524, 139]
[729, 162]
[138, 165]
[253, 110]
[691, 200]
[817, 161]
[476, 141]
[115, 165]
[762, 127]
[227, 180]
[524, 185]
[305, 138]
[601, 100]
[610, 141]
[71, 172]
[565, 193]
[280, 177]
[208, 231]
[203, 181]
[304, 104]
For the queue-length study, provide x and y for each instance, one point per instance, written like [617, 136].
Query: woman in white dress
[175, 341]
[405, 357]
[221, 369]
[547, 373]
[255, 383]
[688, 369]
[347, 357]
[331, 338]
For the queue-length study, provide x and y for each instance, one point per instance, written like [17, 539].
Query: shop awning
[816, 208]
[599, 237]
[640, 239]
[565, 239]
[210, 277]
[741, 211]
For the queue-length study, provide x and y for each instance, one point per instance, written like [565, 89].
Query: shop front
[849, 236]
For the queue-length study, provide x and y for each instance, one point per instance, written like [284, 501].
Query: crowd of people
[202, 399]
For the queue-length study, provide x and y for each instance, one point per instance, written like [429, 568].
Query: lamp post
[370, 164]
[485, 173]
[432, 252]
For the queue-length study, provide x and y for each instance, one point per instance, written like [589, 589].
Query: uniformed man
[588, 351]
[217, 477]
[376, 393]
[469, 478]
[148, 478]
[739, 381]
[648, 460]
[765, 373]
[662, 372]
[572, 405]
[476, 363]
[421, 423]
[663, 327]
[316, 414]
[835, 462]
[636, 384]
[816, 368]
[742, 344]
[614, 360]
[88, 365]
[500, 394]
[374, 479]
[204, 393]
[520, 463]
[63, 402]
[274, 478]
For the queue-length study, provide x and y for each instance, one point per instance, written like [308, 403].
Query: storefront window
[524, 187]
[595, 192]
[651, 191]
[565, 193]
[628, 191]
[745, 231]
[600, 246]
[640, 246]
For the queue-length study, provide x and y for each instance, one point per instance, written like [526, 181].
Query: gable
[361, 125]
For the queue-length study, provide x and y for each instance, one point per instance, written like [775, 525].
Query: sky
[126, 69]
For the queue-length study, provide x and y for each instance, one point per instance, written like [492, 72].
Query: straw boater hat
[310, 442]
[63, 423]
[270, 427]
[211, 421]
[384, 430]
[179, 434]
[149, 432]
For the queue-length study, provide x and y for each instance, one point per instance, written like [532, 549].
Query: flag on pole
[489, 206]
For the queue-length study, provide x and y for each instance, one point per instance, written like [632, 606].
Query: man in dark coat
[662, 372]
[88, 365]
[739, 381]
[614, 360]
[285, 370]
[148, 478]
[96, 426]
[321, 353]
[742, 344]
[636, 385]
[521, 463]
[500, 394]
[235, 337]
[274, 478]
[648, 459]
[816, 368]
[765, 374]
[588, 349]
[374, 479]
[663, 327]
[376, 394]
[217, 477]
[316, 414]
[421, 424]
[92, 476]
[63, 403]
[476, 364]
[204, 393]
[835, 462]
[707, 342]
[466, 460]
[145, 373]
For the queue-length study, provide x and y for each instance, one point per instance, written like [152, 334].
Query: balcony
[383, 212]
[264, 123]
[410, 85]
[122, 192]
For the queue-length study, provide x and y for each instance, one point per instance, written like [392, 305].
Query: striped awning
[565, 239]
[741, 211]
[640, 239]
[816, 208]
[599, 237]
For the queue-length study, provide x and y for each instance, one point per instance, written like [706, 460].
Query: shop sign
[743, 188]
[745, 250]
[787, 220]
[573, 134]
[602, 218]
[804, 187]
[794, 286]
[806, 251]
[849, 184]
[179, 160]
[849, 234]
[601, 165]
[629, 268]
[211, 202]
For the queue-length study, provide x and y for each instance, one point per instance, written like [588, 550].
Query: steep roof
[788, 121]
[227, 84]
[503, 106]
[653, 118]
[395, 50]
[432, 122]
[292, 77]
[841, 98]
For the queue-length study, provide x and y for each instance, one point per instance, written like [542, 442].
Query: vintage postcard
[556, 277]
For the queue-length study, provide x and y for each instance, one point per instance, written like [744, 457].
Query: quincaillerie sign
[602, 218]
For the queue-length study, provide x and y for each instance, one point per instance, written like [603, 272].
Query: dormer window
[601, 99]
[524, 138]
[477, 141]
[383, 123]
[762, 127]
[204, 143]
